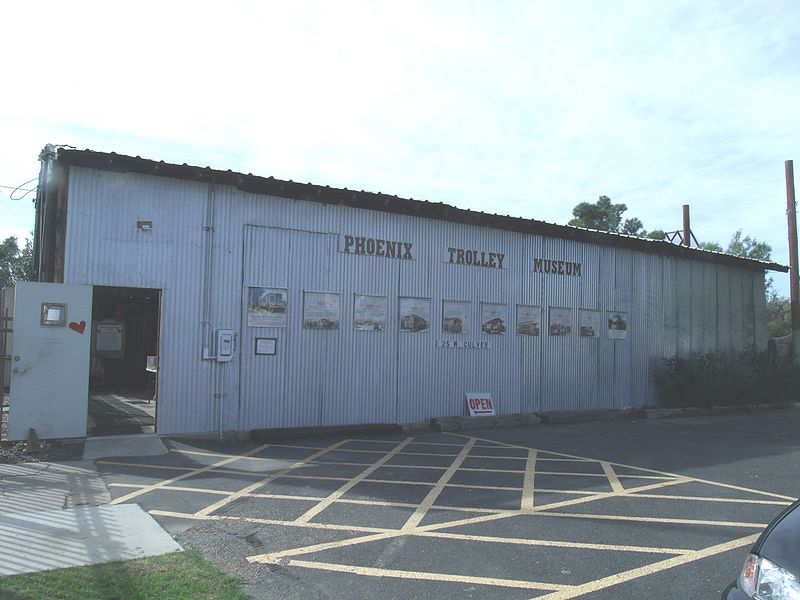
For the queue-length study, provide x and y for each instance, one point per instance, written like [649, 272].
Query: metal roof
[394, 204]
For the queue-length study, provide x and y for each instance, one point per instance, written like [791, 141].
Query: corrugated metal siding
[346, 376]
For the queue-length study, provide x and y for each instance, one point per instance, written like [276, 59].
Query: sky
[518, 108]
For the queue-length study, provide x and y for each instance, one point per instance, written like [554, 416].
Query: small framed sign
[479, 404]
[266, 346]
[53, 314]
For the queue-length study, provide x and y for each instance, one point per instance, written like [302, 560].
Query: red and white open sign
[479, 404]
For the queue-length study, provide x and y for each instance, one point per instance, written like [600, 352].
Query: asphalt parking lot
[627, 509]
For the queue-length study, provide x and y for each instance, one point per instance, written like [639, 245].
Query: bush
[728, 379]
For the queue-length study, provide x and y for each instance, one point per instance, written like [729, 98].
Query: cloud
[519, 108]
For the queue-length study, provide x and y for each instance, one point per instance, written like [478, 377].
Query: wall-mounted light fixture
[144, 225]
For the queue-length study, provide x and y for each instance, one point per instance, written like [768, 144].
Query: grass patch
[176, 576]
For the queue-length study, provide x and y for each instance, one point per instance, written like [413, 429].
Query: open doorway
[123, 373]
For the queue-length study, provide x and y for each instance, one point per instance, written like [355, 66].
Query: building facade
[285, 305]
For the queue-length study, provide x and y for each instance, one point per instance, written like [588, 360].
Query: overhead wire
[20, 188]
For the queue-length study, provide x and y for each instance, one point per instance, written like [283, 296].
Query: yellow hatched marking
[612, 476]
[670, 563]
[421, 575]
[254, 486]
[437, 489]
[155, 486]
[314, 511]
[687, 478]
[664, 520]
[527, 485]
[457, 523]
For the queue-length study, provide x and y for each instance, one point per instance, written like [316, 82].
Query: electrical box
[225, 344]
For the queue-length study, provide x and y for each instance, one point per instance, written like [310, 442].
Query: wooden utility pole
[687, 229]
[794, 283]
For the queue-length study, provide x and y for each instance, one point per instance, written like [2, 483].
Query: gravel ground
[51, 451]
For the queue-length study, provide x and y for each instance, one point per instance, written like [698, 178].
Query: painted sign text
[475, 258]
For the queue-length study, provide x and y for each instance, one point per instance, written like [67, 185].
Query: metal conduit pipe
[217, 376]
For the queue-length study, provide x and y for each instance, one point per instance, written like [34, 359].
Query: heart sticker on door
[79, 327]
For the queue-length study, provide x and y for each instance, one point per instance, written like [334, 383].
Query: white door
[50, 360]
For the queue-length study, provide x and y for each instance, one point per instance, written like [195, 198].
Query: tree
[601, 215]
[710, 246]
[779, 315]
[16, 264]
[748, 247]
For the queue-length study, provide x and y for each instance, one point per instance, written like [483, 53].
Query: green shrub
[728, 379]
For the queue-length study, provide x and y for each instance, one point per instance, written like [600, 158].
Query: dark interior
[122, 392]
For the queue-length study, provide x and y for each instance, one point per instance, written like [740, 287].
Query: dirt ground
[18, 452]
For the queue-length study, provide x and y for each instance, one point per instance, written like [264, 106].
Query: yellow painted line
[744, 489]
[651, 569]
[550, 543]
[161, 467]
[254, 486]
[185, 469]
[612, 477]
[438, 488]
[155, 486]
[687, 477]
[396, 466]
[330, 526]
[664, 520]
[709, 499]
[483, 470]
[604, 475]
[527, 485]
[484, 487]
[420, 575]
[314, 511]
[457, 523]
[272, 556]
[555, 491]
[223, 455]
[491, 456]
[172, 488]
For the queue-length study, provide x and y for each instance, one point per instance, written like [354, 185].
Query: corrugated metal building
[350, 307]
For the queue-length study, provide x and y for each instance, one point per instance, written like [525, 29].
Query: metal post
[794, 280]
[687, 230]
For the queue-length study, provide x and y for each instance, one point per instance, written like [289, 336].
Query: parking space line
[438, 488]
[710, 499]
[225, 455]
[172, 488]
[254, 486]
[422, 575]
[278, 522]
[527, 484]
[677, 561]
[550, 543]
[612, 476]
[155, 486]
[314, 511]
[664, 520]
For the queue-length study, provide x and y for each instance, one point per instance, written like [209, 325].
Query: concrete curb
[556, 418]
[693, 411]
[274, 435]
[499, 421]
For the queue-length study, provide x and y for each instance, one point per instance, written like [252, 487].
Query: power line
[20, 188]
